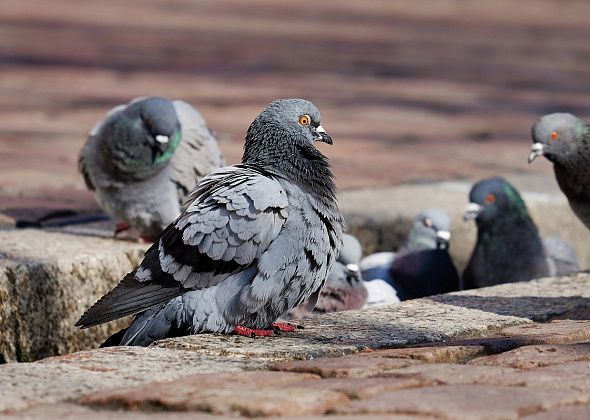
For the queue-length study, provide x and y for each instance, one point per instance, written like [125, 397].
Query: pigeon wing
[235, 213]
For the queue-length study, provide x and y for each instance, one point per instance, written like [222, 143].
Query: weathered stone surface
[359, 388]
[554, 332]
[74, 411]
[46, 281]
[246, 393]
[436, 353]
[355, 366]
[71, 376]
[465, 401]
[528, 357]
[570, 412]
[573, 376]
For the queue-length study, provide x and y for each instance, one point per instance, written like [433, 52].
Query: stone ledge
[500, 311]
[46, 281]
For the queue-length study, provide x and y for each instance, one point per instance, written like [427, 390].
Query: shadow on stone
[521, 306]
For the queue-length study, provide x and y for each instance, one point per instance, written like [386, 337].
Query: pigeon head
[141, 138]
[431, 230]
[558, 137]
[286, 130]
[492, 199]
[351, 251]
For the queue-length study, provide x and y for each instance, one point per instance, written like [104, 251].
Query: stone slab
[465, 402]
[47, 279]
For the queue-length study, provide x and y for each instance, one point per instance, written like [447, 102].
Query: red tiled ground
[410, 91]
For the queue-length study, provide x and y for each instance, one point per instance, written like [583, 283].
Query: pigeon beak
[471, 211]
[160, 138]
[321, 135]
[536, 151]
[353, 271]
[442, 238]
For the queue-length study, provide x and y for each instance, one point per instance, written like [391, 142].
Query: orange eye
[304, 119]
[490, 198]
[427, 222]
[554, 135]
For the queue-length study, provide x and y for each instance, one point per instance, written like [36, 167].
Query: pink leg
[286, 327]
[121, 227]
[249, 332]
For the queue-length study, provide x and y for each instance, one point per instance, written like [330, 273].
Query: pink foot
[249, 332]
[143, 239]
[286, 327]
[121, 227]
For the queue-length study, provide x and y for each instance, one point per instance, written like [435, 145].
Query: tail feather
[128, 297]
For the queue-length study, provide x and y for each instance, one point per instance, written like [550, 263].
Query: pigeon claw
[249, 332]
[121, 227]
[286, 327]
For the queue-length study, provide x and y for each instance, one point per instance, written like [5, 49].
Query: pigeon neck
[520, 234]
[304, 165]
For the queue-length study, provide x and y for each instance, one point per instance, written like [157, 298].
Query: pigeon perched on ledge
[565, 141]
[143, 160]
[422, 267]
[254, 240]
[509, 248]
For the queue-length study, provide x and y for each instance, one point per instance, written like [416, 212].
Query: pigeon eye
[427, 222]
[554, 135]
[304, 119]
[149, 124]
[490, 198]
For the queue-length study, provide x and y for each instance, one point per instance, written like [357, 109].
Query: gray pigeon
[423, 266]
[255, 240]
[509, 248]
[344, 290]
[143, 160]
[565, 140]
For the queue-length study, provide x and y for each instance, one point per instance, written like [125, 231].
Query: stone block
[465, 402]
[47, 280]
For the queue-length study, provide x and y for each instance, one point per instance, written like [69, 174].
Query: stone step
[49, 278]
[210, 373]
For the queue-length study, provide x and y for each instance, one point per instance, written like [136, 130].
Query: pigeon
[143, 160]
[253, 241]
[565, 140]
[509, 248]
[422, 267]
[344, 289]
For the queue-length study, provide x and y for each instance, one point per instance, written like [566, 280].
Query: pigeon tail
[129, 297]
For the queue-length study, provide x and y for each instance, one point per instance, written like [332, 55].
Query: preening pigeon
[254, 240]
[144, 159]
[344, 290]
[508, 247]
[565, 140]
[423, 266]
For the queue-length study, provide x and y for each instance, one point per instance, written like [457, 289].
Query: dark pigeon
[144, 159]
[509, 248]
[565, 141]
[423, 266]
[254, 240]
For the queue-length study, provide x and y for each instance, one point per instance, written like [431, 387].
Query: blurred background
[411, 91]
